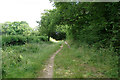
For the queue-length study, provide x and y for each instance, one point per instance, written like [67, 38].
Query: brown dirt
[47, 72]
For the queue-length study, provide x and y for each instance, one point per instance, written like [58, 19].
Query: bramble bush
[19, 39]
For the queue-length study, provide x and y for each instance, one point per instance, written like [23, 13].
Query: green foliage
[13, 40]
[87, 62]
[26, 61]
[0, 41]
[48, 22]
[19, 39]
[16, 28]
[92, 23]
[31, 39]
[35, 32]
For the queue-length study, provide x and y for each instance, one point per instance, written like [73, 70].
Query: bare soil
[47, 72]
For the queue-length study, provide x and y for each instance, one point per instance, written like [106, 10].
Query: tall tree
[48, 22]
[16, 28]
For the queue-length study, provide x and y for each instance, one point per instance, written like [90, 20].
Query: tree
[48, 22]
[16, 28]
[93, 23]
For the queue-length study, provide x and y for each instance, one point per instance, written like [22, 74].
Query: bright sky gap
[23, 10]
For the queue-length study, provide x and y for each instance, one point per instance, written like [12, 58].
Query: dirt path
[67, 44]
[48, 70]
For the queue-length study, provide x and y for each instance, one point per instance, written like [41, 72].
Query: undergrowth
[85, 62]
[26, 61]
[20, 39]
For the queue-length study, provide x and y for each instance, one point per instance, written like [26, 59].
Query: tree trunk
[48, 37]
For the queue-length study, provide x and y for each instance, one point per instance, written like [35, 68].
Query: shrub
[19, 39]
[36, 38]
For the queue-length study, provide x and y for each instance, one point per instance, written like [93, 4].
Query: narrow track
[48, 70]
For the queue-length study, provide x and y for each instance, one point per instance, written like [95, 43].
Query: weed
[85, 62]
[26, 61]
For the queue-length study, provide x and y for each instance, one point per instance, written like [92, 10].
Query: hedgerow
[19, 39]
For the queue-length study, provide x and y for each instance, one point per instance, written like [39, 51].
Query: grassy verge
[0, 57]
[25, 61]
[85, 62]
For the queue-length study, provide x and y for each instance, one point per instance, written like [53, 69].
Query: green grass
[85, 62]
[0, 65]
[26, 61]
[0, 57]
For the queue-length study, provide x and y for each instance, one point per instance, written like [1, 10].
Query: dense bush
[19, 39]
[92, 23]
[26, 61]
[16, 28]
[36, 38]
[0, 41]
